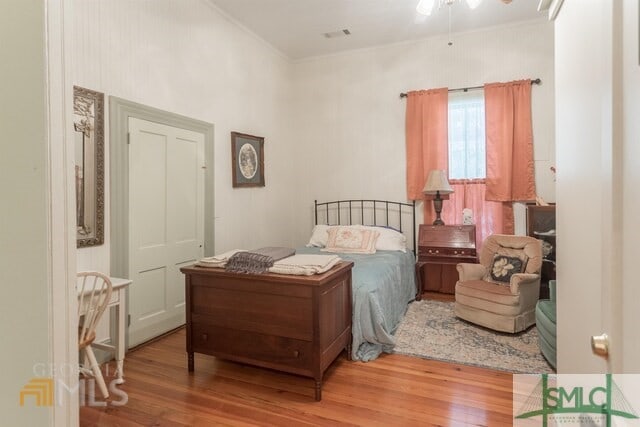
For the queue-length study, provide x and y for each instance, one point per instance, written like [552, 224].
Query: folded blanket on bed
[257, 261]
[218, 261]
[305, 264]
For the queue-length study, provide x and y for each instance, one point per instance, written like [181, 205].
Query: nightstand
[440, 249]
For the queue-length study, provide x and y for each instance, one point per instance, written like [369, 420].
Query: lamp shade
[437, 182]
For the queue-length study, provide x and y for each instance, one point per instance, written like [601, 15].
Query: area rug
[430, 330]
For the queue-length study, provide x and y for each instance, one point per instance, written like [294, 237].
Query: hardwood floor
[390, 391]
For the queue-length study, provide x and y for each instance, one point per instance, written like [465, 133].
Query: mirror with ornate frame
[88, 123]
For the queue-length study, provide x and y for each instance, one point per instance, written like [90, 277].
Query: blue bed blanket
[383, 284]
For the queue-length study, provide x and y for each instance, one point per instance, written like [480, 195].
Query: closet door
[166, 223]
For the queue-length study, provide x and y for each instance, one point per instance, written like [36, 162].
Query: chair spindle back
[94, 294]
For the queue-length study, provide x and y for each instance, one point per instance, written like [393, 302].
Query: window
[467, 154]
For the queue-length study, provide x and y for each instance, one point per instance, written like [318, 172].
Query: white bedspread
[305, 264]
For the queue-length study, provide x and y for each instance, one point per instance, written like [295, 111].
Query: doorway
[150, 248]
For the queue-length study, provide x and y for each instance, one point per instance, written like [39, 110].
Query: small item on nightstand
[467, 216]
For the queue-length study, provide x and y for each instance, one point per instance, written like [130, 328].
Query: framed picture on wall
[247, 160]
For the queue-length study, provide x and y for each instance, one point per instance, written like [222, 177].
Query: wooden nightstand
[440, 249]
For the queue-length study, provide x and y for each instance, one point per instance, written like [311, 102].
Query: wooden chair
[94, 293]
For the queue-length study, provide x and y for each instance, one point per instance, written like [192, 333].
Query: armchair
[546, 324]
[501, 292]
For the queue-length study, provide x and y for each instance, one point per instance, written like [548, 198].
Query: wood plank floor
[393, 390]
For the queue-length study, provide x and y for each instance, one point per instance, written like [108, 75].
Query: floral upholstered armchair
[501, 291]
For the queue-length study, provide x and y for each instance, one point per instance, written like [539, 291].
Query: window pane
[467, 135]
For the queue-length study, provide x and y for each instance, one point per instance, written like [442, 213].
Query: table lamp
[437, 183]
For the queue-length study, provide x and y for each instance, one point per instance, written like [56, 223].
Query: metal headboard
[369, 212]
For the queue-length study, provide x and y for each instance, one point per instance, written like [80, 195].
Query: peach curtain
[488, 216]
[426, 137]
[427, 149]
[510, 166]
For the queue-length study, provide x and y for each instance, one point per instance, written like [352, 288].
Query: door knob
[600, 345]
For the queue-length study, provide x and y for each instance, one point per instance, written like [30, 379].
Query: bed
[383, 283]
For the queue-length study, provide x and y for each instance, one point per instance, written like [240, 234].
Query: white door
[166, 223]
[596, 89]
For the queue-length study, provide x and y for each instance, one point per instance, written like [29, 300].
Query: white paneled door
[166, 223]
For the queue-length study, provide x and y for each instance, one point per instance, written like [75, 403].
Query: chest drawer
[461, 252]
[267, 350]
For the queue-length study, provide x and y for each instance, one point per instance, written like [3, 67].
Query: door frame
[120, 110]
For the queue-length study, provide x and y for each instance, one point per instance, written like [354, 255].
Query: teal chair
[546, 324]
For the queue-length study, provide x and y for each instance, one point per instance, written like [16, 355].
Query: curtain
[510, 166]
[489, 217]
[426, 137]
[509, 151]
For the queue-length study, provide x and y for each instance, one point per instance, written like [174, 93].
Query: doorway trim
[120, 110]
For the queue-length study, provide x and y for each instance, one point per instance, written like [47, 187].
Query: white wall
[349, 119]
[185, 57]
[38, 339]
[23, 168]
[334, 125]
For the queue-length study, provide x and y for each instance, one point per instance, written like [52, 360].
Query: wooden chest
[440, 249]
[295, 324]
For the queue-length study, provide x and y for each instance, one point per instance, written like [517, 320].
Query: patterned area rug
[431, 331]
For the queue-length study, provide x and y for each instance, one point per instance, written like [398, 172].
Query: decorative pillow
[503, 267]
[351, 240]
[319, 236]
[389, 240]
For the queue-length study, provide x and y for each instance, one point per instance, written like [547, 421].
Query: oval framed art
[247, 160]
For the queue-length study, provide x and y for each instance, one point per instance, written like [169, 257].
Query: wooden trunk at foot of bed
[295, 324]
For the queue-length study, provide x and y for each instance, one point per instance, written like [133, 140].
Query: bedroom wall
[350, 120]
[185, 57]
[24, 255]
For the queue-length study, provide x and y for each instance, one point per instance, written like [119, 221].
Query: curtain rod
[465, 89]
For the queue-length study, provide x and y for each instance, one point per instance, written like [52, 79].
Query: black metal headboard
[370, 212]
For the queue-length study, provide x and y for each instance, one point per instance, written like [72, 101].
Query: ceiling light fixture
[426, 7]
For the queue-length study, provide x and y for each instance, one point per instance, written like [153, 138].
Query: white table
[118, 300]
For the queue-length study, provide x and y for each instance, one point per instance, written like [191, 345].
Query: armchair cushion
[486, 291]
[503, 267]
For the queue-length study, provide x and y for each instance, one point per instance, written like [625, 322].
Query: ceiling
[297, 27]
